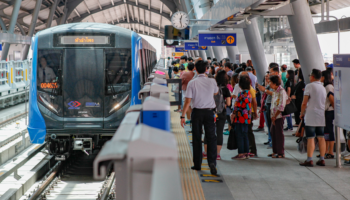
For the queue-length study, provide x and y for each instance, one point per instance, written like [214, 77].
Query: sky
[156, 43]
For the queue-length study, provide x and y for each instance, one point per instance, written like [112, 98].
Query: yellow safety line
[191, 185]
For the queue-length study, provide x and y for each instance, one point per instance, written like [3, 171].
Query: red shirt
[186, 77]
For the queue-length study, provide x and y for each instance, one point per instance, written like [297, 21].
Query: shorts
[312, 131]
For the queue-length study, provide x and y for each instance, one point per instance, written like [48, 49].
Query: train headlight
[47, 104]
[119, 104]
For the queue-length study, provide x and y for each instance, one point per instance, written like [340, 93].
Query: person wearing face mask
[186, 77]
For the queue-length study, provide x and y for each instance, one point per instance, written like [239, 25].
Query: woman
[329, 113]
[289, 87]
[211, 72]
[235, 66]
[250, 64]
[241, 116]
[278, 103]
[228, 108]
[221, 80]
[298, 96]
[284, 74]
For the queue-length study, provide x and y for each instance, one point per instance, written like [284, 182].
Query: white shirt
[49, 75]
[235, 92]
[329, 91]
[253, 79]
[314, 115]
[201, 90]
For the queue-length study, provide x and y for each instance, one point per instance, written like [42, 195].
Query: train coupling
[83, 144]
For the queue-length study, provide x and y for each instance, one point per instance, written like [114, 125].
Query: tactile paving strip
[191, 185]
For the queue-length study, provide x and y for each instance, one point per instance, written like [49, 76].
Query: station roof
[143, 16]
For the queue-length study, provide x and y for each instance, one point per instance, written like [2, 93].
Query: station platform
[261, 177]
[12, 111]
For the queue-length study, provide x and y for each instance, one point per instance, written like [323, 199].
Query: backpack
[219, 101]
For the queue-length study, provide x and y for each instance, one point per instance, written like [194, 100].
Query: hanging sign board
[0, 47]
[341, 70]
[174, 54]
[180, 49]
[194, 46]
[217, 39]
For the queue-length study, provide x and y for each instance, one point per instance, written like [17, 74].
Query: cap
[296, 61]
[330, 66]
[238, 70]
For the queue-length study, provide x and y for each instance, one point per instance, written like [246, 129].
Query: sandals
[278, 156]
[329, 156]
[271, 155]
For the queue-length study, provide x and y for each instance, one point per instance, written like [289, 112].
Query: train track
[73, 179]
[13, 119]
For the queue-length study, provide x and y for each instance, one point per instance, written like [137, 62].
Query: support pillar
[305, 38]
[256, 49]
[6, 47]
[218, 53]
[202, 54]
[52, 12]
[196, 52]
[209, 52]
[3, 26]
[232, 51]
[31, 28]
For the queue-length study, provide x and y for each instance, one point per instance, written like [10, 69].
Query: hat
[238, 70]
[296, 61]
[330, 66]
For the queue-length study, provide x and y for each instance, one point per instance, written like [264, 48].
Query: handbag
[289, 109]
[232, 142]
[300, 130]
[302, 145]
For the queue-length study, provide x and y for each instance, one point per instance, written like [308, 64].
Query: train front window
[118, 71]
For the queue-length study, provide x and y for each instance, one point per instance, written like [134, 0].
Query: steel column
[218, 53]
[256, 49]
[305, 38]
[32, 28]
[2, 24]
[202, 54]
[232, 51]
[209, 52]
[196, 52]
[15, 11]
[52, 12]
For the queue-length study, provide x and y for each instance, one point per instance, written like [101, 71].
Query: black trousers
[220, 125]
[251, 138]
[297, 113]
[199, 118]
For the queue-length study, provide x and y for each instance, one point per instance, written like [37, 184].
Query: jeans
[241, 131]
[312, 131]
[289, 122]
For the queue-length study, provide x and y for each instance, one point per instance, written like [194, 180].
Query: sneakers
[345, 153]
[204, 155]
[188, 121]
[251, 155]
[218, 157]
[307, 164]
[258, 129]
[240, 157]
[266, 143]
[213, 170]
[227, 133]
[347, 157]
[287, 129]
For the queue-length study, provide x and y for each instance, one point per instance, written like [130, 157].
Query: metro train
[84, 77]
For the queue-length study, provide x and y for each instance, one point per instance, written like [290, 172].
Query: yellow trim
[26, 75]
[22, 76]
[11, 75]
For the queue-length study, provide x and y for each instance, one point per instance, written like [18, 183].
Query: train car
[84, 77]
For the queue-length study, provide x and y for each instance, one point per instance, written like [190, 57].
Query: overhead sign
[84, 39]
[341, 70]
[217, 39]
[0, 47]
[177, 54]
[180, 49]
[194, 46]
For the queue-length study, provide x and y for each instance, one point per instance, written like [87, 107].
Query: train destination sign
[217, 39]
[48, 85]
[83, 40]
[180, 49]
[194, 46]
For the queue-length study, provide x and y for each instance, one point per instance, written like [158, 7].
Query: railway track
[73, 179]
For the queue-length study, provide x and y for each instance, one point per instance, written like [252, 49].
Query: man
[326, 64]
[216, 66]
[183, 60]
[228, 69]
[296, 64]
[274, 70]
[185, 79]
[200, 92]
[225, 60]
[190, 60]
[45, 73]
[312, 109]
[252, 77]
[209, 60]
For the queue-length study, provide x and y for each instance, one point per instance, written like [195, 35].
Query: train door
[83, 88]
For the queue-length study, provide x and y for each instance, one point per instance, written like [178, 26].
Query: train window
[141, 68]
[49, 71]
[118, 71]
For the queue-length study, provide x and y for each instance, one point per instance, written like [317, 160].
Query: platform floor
[268, 178]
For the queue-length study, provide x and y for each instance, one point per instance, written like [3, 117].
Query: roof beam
[126, 3]
[136, 22]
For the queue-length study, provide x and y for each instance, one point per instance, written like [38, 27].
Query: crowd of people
[219, 92]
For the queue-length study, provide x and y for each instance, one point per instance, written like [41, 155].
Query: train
[84, 77]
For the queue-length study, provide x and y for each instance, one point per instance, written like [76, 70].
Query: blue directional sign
[194, 46]
[217, 39]
[0, 47]
[180, 49]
